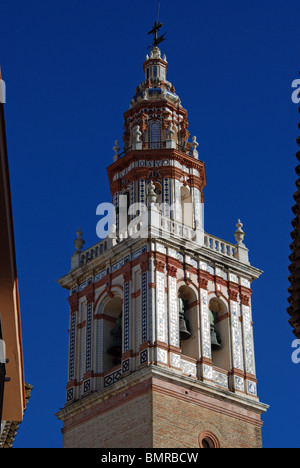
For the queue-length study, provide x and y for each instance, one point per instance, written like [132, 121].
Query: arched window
[112, 333]
[154, 135]
[219, 327]
[188, 322]
[208, 440]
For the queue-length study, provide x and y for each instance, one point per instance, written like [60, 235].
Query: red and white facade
[139, 273]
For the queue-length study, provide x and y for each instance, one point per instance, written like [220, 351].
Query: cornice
[167, 375]
[158, 103]
[127, 246]
[152, 155]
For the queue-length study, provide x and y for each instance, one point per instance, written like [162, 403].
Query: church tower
[161, 340]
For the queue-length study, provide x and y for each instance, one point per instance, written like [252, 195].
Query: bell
[215, 340]
[115, 349]
[183, 331]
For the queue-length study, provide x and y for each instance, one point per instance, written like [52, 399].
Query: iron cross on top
[154, 30]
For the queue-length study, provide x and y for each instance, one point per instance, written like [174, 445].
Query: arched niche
[186, 206]
[190, 346]
[221, 355]
[126, 193]
[112, 333]
[158, 192]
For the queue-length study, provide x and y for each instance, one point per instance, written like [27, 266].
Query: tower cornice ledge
[132, 156]
[128, 245]
[162, 379]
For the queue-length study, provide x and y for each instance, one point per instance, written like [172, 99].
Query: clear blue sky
[71, 69]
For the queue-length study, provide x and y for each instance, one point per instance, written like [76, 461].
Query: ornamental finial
[152, 197]
[116, 149]
[194, 146]
[239, 233]
[79, 242]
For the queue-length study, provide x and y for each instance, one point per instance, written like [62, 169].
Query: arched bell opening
[219, 332]
[112, 333]
[188, 322]
[186, 206]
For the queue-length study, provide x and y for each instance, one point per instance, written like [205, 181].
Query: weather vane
[157, 26]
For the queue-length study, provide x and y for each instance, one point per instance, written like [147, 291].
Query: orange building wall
[14, 392]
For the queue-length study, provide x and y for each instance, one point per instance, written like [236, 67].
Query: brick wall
[178, 422]
[126, 423]
[161, 413]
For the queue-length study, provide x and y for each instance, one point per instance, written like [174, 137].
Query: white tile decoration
[233, 278]
[251, 388]
[162, 356]
[245, 282]
[101, 275]
[160, 248]
[236, 337]
[136, 254]
[175, 360]
[248, 340]
[173, 312]
[172, 253]
[221, 273]
[117, 265]
[207, 372]
[205, 325]
[220, 379]
[180, 257]
[162, 331]
[82, 286]
[239, 383]
[188, 368]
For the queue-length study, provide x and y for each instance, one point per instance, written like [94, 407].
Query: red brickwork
[158, 413]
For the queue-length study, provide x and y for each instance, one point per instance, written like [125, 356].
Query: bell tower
[161, 330]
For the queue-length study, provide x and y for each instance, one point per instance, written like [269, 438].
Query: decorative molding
[233, 291]
[160, 265]
[73, 301]
[203, 279]
[90, 293]
[172, 270]
[208, 438]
